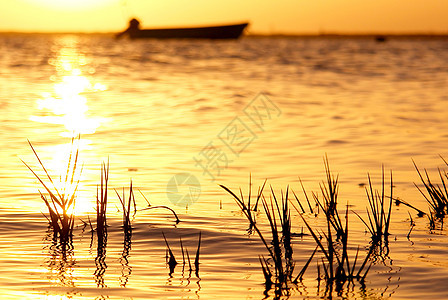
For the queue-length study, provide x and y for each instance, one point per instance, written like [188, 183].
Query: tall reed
[101, 205]
[101, 225]
[129, 208]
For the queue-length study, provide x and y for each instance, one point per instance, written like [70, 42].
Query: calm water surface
[159, 108]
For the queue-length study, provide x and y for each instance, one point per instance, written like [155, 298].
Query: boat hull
[211, 32]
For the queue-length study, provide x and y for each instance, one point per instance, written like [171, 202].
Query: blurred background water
[159, 108]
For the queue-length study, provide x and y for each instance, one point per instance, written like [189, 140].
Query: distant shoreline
[277, 35]
[356, 35]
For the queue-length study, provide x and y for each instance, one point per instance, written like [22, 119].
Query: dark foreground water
[217, 112]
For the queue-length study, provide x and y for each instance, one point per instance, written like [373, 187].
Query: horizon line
[276, 34]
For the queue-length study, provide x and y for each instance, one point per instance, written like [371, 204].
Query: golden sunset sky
[279, 16]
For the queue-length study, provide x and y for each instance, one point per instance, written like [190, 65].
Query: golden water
[218, 112]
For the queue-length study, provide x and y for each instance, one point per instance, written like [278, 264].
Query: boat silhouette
[232, 31]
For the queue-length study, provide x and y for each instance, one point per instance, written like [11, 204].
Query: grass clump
[331, 241]
[60, 201]
[172, 262]
[128, 209]
[436, 194]
[378, 212]
[278, 266]
[249, 209]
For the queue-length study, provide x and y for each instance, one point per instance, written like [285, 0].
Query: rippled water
[159, 108]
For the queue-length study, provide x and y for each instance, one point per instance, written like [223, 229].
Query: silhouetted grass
[101, 225]
[306, 197]
[280, 248]
[129, 207]
[247, 208]
[378, 211]
[160, 206]
[333, 242]
[329, 190]
[60, 201]
[337, 266]
[171, 259]
[101, 205]
[436, 194]
[172, 262]
[411, 224]
[398, 201]
[196, 259]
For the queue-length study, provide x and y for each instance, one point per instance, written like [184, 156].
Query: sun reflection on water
[67, 104]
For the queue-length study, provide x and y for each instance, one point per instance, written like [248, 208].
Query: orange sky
[280, 16]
